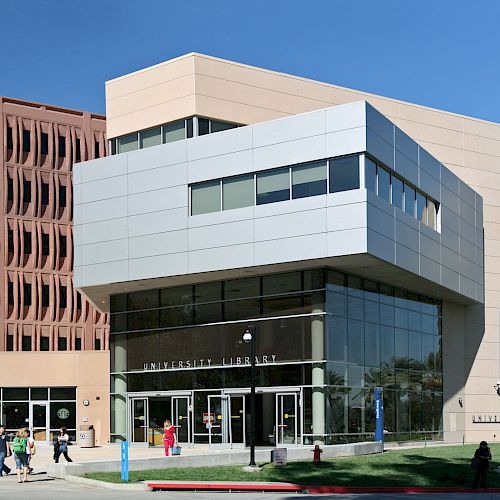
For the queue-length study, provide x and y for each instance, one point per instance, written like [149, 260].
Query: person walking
[482, 457]
[62, 446]
[169, 437]
[19, 445]
[30, 449]
[4, 451]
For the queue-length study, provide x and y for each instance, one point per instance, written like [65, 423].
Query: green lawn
[434, 466]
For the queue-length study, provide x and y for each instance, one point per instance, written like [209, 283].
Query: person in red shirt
[169, 437]
[317, 455]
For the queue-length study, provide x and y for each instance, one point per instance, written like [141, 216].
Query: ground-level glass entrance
[221, 420]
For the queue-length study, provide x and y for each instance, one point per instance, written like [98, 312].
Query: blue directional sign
[379, 415]
[124, 457]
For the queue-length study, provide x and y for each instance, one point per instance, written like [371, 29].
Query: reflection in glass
[273, 185]
[370, 175]
[205, 197]
[238, 192]
[309, 180]
[384, 184]
[344, 174]
[397, 192]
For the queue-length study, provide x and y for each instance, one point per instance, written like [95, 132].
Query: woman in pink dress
[169, 437]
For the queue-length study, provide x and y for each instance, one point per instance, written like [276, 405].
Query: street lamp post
[249, 337]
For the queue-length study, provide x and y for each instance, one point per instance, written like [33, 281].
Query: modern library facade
[353, 251]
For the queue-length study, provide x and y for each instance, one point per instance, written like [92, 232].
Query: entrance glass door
[139, 420]
[217, 421]
[237, 421]
[39, 421]
[287, 412]
[181, 418]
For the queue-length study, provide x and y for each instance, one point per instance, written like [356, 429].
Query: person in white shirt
[30, 446]
[62, 446]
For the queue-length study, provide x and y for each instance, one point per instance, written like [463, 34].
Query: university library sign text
[485, 419]
[209, 363]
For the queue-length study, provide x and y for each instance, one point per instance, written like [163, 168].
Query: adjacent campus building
[54, 345]
[358, 234]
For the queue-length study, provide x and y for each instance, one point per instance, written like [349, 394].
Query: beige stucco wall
[88, 371]
[225, 90]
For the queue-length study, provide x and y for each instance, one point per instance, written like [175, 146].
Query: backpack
[19, 445]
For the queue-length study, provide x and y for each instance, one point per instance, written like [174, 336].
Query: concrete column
[318, 375]
[119, 412]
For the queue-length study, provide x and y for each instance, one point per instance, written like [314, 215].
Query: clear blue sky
[440, 53]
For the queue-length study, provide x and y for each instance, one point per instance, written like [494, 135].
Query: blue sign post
[379, 414]
[124, 455]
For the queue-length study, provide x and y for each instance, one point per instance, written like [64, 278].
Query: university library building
[355, 236]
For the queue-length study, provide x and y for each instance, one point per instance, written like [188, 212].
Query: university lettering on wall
[183, 364]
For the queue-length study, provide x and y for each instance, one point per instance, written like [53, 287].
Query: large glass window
[309, 180]
[150, 137]
[273, 185]
[205, 197]
[127, 143]
[344, 174]
[217, 126]
[174, 132]
[238, 192]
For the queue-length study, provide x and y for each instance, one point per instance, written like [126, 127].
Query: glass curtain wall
[336, 336]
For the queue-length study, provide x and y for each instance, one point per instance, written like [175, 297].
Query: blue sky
[439, 53]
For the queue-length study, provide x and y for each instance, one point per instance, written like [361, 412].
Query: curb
[106, 485]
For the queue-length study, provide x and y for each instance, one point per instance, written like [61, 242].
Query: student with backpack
[30, 449]
[19, 445]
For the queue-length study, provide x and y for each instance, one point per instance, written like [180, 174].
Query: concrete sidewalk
[108, 459]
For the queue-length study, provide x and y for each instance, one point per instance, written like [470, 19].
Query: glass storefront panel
[190, 338]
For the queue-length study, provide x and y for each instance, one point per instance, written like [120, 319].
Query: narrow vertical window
[78, 153]
[370, 175]
[431, 214]
[62, 146]
[10, 243]
[384, 184]
[44, 143]
[112, 146]
[44, 195]
[27, 242]
[26, 191]
[45, 295]
[45, 244]
[63, 297]
[97, 344]
[97, 150]
[421, 208]
[44, 343]
[10, 189]
[63, 252]
[10, 342]
[78, 344]
[203, 126]
[397, 192]
[62, 196]
[189, 128]
[409, 200]
[27, 294]
[10, 293]
[26, 342]
[62, 344]
[26, 141]
[10, 143]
